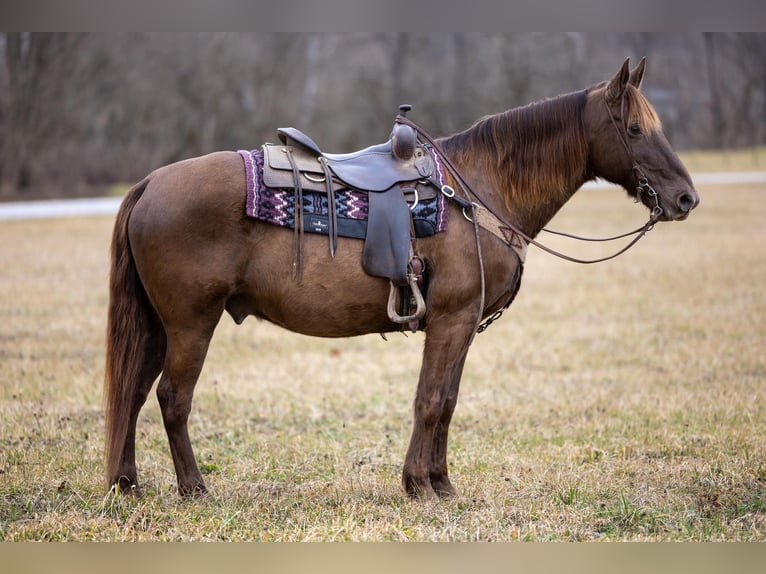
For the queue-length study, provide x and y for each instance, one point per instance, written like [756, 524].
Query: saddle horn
[403, 138]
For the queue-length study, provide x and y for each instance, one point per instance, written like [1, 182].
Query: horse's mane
[534, 152]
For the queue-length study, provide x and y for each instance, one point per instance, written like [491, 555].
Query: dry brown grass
[745, 159]
[621, 401]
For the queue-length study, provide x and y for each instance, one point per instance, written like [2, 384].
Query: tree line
[82, 111]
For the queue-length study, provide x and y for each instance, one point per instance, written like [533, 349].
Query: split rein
[642, 186]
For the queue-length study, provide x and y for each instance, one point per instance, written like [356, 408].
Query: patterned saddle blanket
[277, 206]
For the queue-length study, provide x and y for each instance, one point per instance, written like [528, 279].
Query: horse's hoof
[134, 491]
[417, 491]
[198, 490]
[126, 486]
[443, 488]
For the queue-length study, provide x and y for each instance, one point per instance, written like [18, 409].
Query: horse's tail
[128, 318]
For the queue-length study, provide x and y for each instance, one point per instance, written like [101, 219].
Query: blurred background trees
[79, 112]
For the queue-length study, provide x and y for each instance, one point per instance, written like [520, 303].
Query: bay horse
[183, 252]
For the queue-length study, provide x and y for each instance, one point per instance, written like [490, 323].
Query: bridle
[642, 186]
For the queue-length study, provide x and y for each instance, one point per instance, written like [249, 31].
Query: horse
[183, 252]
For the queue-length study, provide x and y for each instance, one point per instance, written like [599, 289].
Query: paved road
[109, 205]
[59, 208]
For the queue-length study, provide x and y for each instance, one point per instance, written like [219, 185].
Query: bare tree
[716, 109]
[85, 110]
[37, 109]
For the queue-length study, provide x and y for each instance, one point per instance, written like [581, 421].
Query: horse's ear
[637, 73]
[616, 86]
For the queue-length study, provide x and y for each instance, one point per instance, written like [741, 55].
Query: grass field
[621, 401]
[745, 159]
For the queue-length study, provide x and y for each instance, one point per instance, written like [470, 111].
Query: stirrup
[420, 304]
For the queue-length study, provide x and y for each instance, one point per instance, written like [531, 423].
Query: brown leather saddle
[392, 173]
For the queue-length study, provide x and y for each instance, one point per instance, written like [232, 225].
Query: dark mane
[535, 153]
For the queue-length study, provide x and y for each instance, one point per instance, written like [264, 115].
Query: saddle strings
[297, 220]
[332, 219]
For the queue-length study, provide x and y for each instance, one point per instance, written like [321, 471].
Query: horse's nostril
[686, 202]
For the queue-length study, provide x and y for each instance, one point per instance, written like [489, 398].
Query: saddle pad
[277, 206]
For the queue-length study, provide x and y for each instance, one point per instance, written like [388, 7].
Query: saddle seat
[360, 156]
[376, 168]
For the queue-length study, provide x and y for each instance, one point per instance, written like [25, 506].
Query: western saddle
[391, 173]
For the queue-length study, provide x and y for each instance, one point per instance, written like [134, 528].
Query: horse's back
[205, 183]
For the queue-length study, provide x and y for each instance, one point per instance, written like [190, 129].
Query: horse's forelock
[640, 111]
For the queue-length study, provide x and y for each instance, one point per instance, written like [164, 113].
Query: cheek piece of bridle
[642, 187]
[642, 183]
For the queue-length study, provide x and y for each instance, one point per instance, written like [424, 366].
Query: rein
[642, 187]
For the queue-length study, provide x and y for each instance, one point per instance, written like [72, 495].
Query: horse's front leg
[438, 471]
[425, 466]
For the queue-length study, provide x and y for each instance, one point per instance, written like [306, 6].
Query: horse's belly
[332, 301]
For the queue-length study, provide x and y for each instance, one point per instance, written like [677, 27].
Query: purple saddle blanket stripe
[276, 206]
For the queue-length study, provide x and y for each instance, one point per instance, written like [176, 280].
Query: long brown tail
[126, 330]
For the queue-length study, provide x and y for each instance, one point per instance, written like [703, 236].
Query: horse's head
[627, 147]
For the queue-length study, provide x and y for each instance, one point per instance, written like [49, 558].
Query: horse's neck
[539, 195]
[534, 161]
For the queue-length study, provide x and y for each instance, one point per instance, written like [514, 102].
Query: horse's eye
[634, 130]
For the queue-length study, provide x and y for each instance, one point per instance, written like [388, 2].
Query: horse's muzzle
[680, 207]
[687, 201]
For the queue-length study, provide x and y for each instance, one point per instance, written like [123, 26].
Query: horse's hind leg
[187, 348]
[154, 355]
[425, 466]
